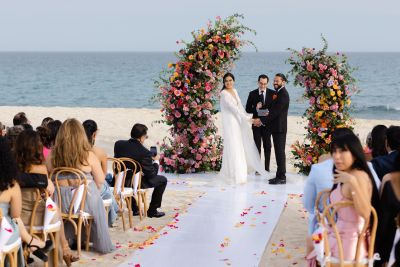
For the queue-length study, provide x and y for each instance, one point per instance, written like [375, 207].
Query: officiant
[258, 103]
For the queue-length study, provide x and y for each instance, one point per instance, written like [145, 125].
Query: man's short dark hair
[138, 130]
[393, 137]
[283, 77]
[20, 118]
[263, 76]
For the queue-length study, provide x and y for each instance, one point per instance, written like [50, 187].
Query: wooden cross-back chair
[10, 251]
[40, 231]
[328, 217]
[119, 172]
[322, 198]
[76, 179]
[139, 194]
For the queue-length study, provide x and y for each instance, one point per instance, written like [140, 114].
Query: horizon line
[159, 51]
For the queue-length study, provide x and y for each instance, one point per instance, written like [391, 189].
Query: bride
[240, 154]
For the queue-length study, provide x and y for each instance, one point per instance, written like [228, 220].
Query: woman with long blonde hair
[72, 149]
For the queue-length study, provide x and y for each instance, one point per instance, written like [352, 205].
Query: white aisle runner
[226, 227]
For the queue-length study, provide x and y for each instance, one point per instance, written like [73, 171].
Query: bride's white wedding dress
[240, 154]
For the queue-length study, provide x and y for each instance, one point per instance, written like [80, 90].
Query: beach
[115, 124]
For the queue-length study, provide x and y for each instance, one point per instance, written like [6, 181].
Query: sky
[156, 25]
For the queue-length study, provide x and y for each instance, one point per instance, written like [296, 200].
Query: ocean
[126, 79]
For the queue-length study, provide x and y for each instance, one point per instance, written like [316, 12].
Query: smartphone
[153, 151]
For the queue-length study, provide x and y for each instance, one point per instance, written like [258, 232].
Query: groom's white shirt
[321, 178]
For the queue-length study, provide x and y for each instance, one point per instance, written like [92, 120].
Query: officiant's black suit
[135, 150]
[276, 122]
[262, 133]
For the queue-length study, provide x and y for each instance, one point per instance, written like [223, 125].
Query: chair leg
[107, 212]
[138, 202]
[130, 215]
[121, 207]
[79, 236]
[145, 203]
[88, 229]
[56, 238]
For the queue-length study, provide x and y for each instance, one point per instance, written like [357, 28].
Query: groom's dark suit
[276, 122]
[261, 133]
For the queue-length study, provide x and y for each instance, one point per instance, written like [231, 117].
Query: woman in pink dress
[353, 181]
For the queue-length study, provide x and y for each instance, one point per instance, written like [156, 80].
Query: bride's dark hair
[228, 74]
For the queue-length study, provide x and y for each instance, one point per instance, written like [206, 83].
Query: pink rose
[177, 92]
[309, 67]
[177, 114]
[198, 157]
[172, 106]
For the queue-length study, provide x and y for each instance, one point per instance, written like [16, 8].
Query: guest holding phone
[149, 160]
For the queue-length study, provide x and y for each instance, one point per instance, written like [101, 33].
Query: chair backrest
[6, 231]
[136, 173]
[119, 173]
[330, 214]
[38, 198]
[322, 198]
[77, 179]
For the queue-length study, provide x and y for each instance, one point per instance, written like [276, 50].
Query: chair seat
[336, 262]
[10, 247]
[49, 228]
[128, 191]
[107, 202]
[77, 215]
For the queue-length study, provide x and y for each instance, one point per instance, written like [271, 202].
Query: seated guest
[46, 121]
[3, 130]
[44, 134]
[386, 164]
[368, 147]
[90, 127]
[390, 203]
[134, 149]
[20, 119]
[353, 181]
[32, 174]
[319, 179]
[10, 205]
[12, 134]
[378, 141]
[73, 150]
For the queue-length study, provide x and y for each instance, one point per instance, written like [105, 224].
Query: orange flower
[228, 38]
[274, 97]
[191, 57]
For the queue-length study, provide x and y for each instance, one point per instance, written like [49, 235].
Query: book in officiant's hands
[262, 112]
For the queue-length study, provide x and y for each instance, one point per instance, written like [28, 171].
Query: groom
[276, 120]
[261, 98]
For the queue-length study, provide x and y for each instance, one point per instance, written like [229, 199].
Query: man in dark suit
[261, 98]
[134, 149]
[276, 120]
[387, 163]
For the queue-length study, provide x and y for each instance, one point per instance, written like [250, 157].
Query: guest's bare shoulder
[363, 178]
[99, 152]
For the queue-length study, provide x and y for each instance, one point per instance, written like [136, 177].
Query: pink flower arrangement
[327, 80]
[189, 93]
